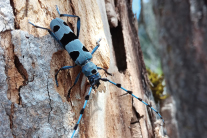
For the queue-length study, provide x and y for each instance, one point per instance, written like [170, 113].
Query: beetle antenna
[130, 92]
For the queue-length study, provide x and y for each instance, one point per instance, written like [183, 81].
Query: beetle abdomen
[78, 52]
[69, 40]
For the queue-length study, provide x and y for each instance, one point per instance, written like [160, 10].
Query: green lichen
[157, 86]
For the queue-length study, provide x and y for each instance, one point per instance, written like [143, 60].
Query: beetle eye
[93, 71]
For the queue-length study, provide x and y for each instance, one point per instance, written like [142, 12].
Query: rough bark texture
[32, 105]
[149, 38]
[182, 31]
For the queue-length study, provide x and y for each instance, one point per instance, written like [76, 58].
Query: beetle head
[94, 80]
[90, 70]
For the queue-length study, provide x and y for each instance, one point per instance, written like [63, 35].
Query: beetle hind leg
[63, 68]
[50, 32]
[38, 26]
[68, 15]
[76, 80]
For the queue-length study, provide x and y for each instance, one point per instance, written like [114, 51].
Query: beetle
[63, 34]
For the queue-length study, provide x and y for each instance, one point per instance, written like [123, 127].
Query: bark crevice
[21, 69]
[119, 49]
[11, 118]
[49, 103]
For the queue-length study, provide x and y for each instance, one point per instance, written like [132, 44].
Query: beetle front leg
[98, 44]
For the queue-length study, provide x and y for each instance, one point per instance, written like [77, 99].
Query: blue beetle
[77, 51]
[62, 33]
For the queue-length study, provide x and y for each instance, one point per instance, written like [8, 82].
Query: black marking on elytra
[65, 23]
[118, 85]
[56, 28]
[84, 49]
[130, 92]
[93, 71]
[87, 97]
[74, 55]
[67, 38]
[76, 126]
[82, 111]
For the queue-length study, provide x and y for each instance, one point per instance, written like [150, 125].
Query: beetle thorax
[90, 70]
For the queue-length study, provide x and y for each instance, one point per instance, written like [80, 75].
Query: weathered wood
[31, 57]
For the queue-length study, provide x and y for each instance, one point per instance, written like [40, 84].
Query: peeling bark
[38, 108]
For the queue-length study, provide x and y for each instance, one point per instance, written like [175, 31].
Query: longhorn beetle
[62, 33]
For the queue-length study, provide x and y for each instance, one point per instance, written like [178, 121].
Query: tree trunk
[31, 103]
[182, 32]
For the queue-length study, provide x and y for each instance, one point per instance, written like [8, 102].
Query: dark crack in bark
[138, 116]
[11, 118]
[26, 10]
[13, 8]
[119, 49]
[49, 102]
[135, 126]
[23, 72]
[73, 10]
[12, 5]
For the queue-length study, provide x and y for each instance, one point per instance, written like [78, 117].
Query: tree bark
[182, 32]
[31, 103]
